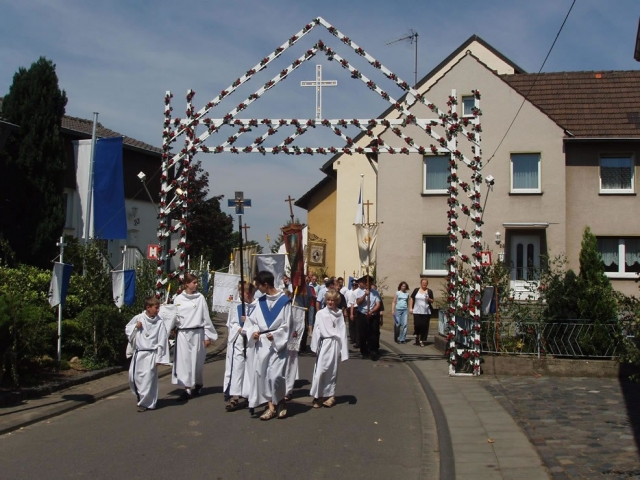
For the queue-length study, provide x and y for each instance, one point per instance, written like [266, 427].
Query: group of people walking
[419, 305]
[264, 337]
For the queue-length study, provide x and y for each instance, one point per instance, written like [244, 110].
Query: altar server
[235, 360]
[195, 333]
[149, 342]
[329, 342]
[267, 330]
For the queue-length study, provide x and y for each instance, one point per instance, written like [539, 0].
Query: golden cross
[367, 204]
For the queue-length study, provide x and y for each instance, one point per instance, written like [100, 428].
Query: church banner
[367, 237]
[293, 242]
[248, 259]
[225, 291]
[274, 263]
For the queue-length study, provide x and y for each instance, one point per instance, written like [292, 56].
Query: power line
[532, 84]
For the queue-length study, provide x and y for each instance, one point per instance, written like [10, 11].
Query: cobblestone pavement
[581, 427]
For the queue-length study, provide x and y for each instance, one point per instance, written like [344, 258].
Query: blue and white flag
[59, 283]
[360, 209]
[109, 214]
[124, 287]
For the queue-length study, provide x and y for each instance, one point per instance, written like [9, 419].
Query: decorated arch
[442, 130]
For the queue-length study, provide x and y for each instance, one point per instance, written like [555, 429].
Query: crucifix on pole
[246, 229]
[239, 202]
[318, 83]
[290, 200]
[367, 204]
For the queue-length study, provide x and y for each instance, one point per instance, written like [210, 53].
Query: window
[525, 173]
[436, 254]
[621, 256]
[436, 174]
[616, 174]
[468, 102]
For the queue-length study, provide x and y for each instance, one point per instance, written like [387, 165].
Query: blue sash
[271, 315]
[240, 316]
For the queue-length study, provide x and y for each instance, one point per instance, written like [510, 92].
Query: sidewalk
[37, 409]
[477, 437]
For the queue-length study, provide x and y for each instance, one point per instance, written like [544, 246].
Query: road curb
[445, 445]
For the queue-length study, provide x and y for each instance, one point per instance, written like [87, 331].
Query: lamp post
[239, 202]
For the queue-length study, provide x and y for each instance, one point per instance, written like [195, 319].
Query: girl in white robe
[329, 342]
[235, 360]
[267, 330]
[195, 333]
[148, 339]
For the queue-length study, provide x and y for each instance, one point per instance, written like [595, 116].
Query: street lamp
[142, 176]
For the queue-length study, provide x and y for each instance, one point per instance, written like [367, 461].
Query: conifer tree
[34, 164]
[595, 293]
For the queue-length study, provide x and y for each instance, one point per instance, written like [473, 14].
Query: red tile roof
[85, 127]
[587, 104]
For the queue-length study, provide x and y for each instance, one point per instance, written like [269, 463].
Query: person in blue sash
[236, 350]
[267, 329]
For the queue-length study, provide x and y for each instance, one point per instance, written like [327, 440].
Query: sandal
[316, 403]
[330, 402]
[282, 409]
[232, 406]
[268, 414]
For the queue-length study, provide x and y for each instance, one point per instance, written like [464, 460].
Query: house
[567, 161]
[141, 213]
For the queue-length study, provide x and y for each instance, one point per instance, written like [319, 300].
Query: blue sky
[118, 58]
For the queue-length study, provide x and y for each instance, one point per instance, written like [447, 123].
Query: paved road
[581, 427]
[382, 427]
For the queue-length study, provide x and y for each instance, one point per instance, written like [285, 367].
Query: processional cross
[367, 204]
[319, 83]
[246, 229]
[290, 200]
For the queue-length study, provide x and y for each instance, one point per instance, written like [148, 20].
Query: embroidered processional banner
[225, 291]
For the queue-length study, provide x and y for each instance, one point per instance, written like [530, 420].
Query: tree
[595, 294]
[210, 230]
[34, 164]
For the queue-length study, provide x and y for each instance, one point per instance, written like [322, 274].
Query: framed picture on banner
[317, 254]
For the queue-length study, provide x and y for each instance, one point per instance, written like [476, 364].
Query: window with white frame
[436, 174]
[468, 103]
[525, 173]
[616, 174]
[620, 255]
[435, 254]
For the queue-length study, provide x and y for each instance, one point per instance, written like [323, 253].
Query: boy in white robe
[329, 342]
[149, 341]
[235, 361]
[267, 330]
[195, 333]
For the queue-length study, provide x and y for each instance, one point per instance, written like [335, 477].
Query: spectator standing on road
[420, 307]
[351, 312]
[149, 340]
[400, 310]
[368, 318]
[195, 333]
[329, 342]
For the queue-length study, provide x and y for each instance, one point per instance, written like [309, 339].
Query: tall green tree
[596, 299]
[34, 164]
[210, 230]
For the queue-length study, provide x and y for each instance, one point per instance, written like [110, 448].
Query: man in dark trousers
[368, 318]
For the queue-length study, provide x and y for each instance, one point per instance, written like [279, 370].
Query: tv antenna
[413, 40]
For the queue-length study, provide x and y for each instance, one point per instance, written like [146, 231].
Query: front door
[525, 265]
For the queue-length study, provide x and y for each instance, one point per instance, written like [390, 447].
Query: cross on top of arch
[449, 121]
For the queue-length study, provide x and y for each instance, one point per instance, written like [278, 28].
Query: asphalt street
[381, 427]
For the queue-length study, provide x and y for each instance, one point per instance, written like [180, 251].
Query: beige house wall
[606, 215]
[321, 220]
[408, 214]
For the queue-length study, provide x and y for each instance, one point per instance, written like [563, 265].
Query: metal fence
[569, 338]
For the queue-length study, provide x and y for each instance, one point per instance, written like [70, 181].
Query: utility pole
[61, 243]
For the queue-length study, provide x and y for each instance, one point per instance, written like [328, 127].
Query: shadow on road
[81, 397]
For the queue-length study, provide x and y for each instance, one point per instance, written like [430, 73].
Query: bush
[103, 338]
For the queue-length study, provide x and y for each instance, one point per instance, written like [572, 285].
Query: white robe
[293, 347]
[194, 326]
[235, 360]
[329, 342]
[150, 346]
[266, 368]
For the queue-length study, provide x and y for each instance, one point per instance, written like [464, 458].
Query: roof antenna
[413, 39]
